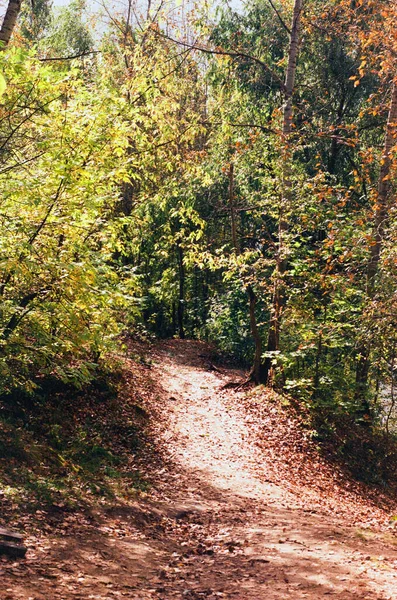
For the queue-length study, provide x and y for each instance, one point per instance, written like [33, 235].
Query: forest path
[241, 507]
[245, 534]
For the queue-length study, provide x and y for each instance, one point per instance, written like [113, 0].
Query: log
[12, 549]
[11, 543]
[7, 534]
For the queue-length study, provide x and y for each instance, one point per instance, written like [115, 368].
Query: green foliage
[63, 445]
[35, 19]
[75, 161]
[68, 33]
[57, 227]
[227, 324]
[141, 189]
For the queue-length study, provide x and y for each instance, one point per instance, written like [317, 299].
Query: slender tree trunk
[273, 341]
[233, 209]
[174, 319]
[317, 367]
[384, 189]
[380, 222]
[319, 355]
[181, 300]
[256, 371]
[18, 316]
[196, 304]
[392, 405]
[335, 146]
[9, 21]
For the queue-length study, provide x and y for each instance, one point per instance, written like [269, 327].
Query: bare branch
[221, 52]
[242, 125]
[280, 17]
[81, 55]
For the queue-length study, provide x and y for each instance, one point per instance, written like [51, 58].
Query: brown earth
[241, 506]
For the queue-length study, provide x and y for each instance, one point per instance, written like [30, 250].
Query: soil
[242, 505]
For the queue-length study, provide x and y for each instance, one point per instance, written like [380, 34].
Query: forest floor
[241, 505]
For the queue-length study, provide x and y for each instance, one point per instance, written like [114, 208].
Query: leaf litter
[241, 505]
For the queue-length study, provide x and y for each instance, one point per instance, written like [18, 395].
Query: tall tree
[383, 203]
[35, 20]
[9, 21]
[273, 341]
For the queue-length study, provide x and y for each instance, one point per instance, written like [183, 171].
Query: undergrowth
[68, 447]
[366, 449]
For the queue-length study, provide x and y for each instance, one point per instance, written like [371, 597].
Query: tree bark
[335, 146]
[278, 301]
[380, 222]
[257, 373]
[9, 21]
[384, 189]
[233, 209]
[181, 299]
[18, 316]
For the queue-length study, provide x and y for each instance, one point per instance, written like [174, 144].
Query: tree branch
[242, 125]
[20, 164]
[220, 52]
[81, 55]
[287, 29]
[18, 315]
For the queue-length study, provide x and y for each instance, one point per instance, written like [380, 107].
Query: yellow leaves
[119, 151]
[3, 85]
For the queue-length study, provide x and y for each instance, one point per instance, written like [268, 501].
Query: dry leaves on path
[242, 506]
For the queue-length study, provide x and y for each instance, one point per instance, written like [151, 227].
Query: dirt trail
[257, 539]
[222, 520]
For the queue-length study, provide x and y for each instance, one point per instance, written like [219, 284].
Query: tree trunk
[181, 300]
[380, 222]
[384, 189]
[273, 341]
[10, 18]
[335, 146]
[361, 383]
[257, 374]
[316, 384]
[18, 316]
[233, 209]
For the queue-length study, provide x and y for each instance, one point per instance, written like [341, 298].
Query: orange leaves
[356, 80]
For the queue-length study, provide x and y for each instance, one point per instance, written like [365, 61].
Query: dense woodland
[207, 172]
